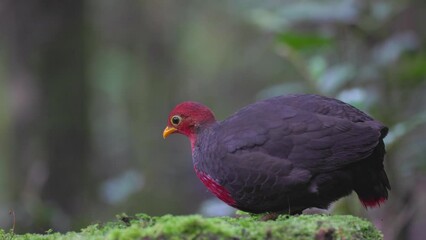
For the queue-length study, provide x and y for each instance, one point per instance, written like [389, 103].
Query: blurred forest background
[86, 87]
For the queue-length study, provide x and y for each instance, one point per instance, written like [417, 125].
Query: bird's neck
[195, 135]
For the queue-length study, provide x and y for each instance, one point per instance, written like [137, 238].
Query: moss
[196, 227]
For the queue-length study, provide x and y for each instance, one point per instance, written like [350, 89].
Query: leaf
[411, 71]
[303, 41]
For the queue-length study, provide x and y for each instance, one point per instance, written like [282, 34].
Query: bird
[286, 154]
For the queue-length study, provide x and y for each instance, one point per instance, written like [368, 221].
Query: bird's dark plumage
[289, 153]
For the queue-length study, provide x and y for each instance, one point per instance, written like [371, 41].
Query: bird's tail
[371, 181]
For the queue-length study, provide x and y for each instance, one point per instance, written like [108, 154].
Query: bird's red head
[187, 118]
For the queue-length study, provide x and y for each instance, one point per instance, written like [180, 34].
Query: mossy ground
[196, 227]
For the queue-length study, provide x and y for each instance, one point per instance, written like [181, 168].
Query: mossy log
[142, 226]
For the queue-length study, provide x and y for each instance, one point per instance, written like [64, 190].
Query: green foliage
[412, 71]
[196, 227]
[302, 41]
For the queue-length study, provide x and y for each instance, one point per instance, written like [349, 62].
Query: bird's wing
[305, 138]
[244, 172]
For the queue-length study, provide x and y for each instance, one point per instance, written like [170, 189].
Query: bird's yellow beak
[168, 130]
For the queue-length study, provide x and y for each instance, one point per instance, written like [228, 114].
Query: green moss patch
[319, 227]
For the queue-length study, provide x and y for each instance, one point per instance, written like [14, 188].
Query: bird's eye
[175, 120]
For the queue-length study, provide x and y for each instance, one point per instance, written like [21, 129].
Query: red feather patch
[215, 188]
[370, 203]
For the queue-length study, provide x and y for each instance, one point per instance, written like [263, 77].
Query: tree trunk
[48, 87]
